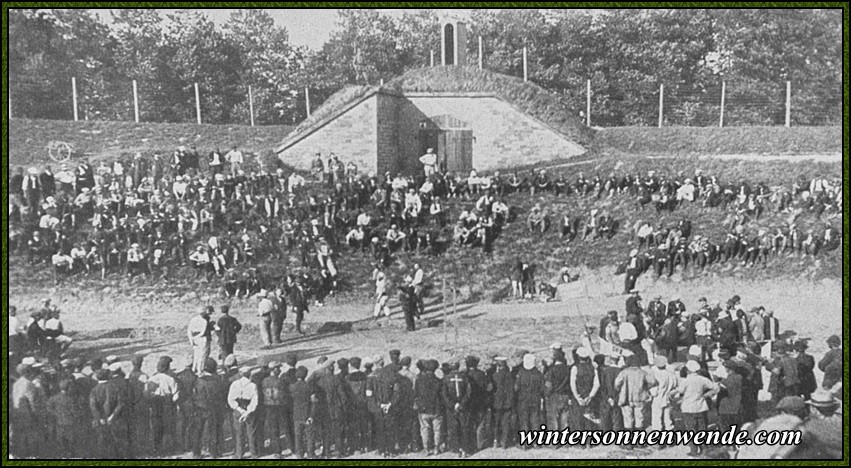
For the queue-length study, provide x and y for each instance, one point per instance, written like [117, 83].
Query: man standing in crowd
[530, 389]
[243, 400]
[227, 328]
[235, 159]
[264, 311]
[695, 390]
[200, 332]
[207, 395]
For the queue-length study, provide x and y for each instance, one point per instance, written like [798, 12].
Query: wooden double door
[452, 140]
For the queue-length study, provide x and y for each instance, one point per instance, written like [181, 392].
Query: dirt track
[121, 323]
[124, 325]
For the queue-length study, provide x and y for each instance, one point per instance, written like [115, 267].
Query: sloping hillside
[28, 139]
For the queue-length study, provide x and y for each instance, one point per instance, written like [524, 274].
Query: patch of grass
[727, 140]
[28, 139]
[529, 97]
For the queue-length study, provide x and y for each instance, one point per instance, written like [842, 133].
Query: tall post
[788, 103]
[455, 311]
[480, 52]
[74, 97]
[525, 68]
[588, 103]
[432, 58]
[135, 101]
[307, 101]
[661, 103]
[444, 310]
[197, 105]
[723, 100]
[251, 105]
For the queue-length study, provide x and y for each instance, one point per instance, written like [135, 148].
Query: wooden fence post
[197, 105]
[74, 97]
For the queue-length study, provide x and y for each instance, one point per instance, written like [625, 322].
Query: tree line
[626, 54]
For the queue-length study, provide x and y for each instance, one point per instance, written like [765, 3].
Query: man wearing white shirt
[199, 333]
[235, 159]
[163, 393]
[243, 400]
[54, 329]
[419, 288]
[429, 162]
[294, 181]
[264, 312]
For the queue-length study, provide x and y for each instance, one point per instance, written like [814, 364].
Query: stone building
[474, 119]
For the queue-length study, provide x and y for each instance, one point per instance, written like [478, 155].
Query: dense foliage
[626, 54]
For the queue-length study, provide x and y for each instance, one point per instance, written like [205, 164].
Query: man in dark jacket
[831, 363]
[107, 402]
[503, 403]
[481, 389]
[335, 395]
[227, 328]
[429, 402]
[608, 370]
[274, 396]
[530, 390]
[458, 393]
[557, 384]
[382, 389]
[358, 426]
[208, 395]
[304, 397]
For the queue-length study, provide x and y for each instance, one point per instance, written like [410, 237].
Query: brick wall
[504, 136]
[386, 135]
[383, 134]
[351, 136]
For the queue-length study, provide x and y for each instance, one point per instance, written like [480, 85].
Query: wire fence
[722, 104]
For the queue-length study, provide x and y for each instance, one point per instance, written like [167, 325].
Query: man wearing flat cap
[429, 403]
[358, 427]
[274, 399]
[406, 417]
[382, 390]
[107, 403]
[784, 372]
[227, 328]
[831, 363]
[163, 393]
[332, 406]
[207, 395]
[557, 384]
[458, 393]
[243, 400]
[503, 403]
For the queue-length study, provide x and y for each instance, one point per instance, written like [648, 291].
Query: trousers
[431, 429]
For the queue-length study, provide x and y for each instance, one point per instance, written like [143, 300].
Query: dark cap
[791, 404]
[355, 362]
[210, 365]
[102, 374]
[801, 346]
[301, 372]
[343, 363]
[834, 340]
[405, 361]
[291, 359]
[395, 353]
[471, 361]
